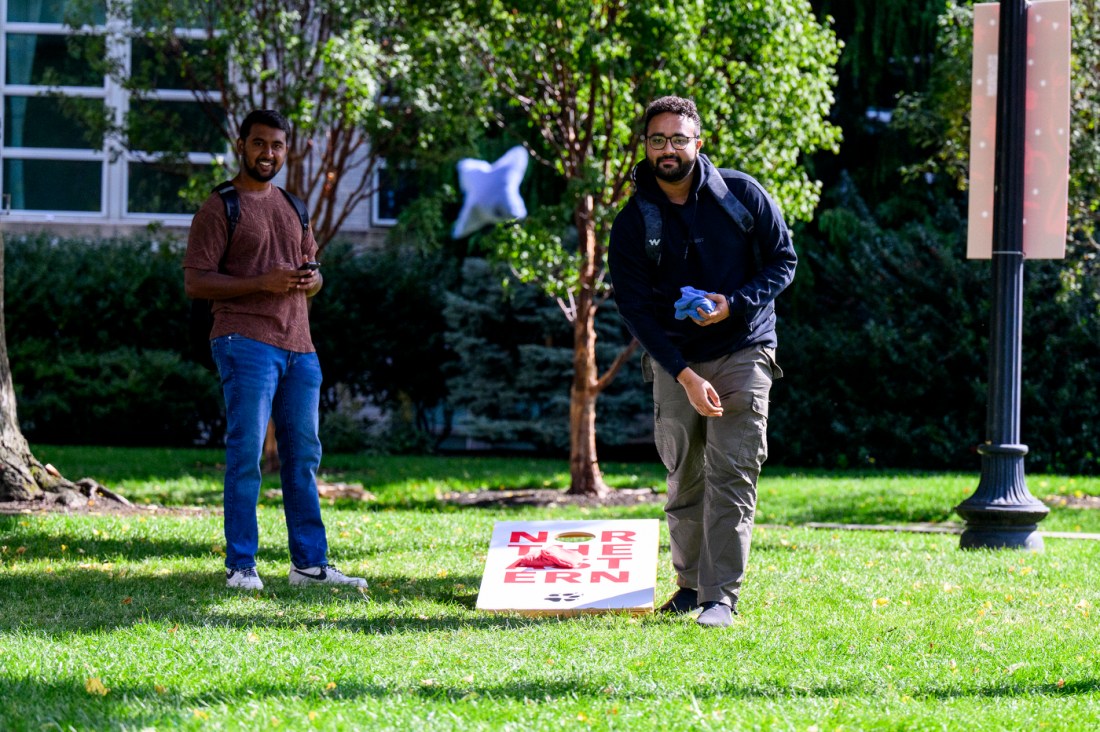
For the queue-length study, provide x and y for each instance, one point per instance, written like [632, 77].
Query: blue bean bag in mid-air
[492, 191]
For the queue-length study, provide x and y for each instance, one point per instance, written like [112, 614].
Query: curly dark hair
[674, 105]
[265, 117]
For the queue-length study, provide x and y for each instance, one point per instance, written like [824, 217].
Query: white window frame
[114, 158]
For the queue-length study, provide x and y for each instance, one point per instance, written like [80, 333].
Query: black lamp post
[1002, 513]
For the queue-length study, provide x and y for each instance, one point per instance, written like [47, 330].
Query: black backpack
[202, 319]
[742, 218]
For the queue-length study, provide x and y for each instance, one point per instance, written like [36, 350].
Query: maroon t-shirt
[268, 236]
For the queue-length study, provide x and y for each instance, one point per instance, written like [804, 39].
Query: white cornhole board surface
[619, 573]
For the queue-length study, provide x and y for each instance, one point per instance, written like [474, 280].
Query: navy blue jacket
[701, 247]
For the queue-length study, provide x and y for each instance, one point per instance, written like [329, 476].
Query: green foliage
[762, 76]
[126, 396]
[97, 336]
[571, 80]
[362, 81]
[379, 331]
[885, 340]
[937, 119]
[95, 330]
[343, 431]
[1060, 400]
[514, 359]
[888, 47]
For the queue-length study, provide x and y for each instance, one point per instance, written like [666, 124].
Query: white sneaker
[243, 579]
[326, 575]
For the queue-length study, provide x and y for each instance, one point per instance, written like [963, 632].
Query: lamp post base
[1002, 537]
[1002, 513]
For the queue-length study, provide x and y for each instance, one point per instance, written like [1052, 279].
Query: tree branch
[613, 370]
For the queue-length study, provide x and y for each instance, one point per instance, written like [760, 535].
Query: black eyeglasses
[657, 142]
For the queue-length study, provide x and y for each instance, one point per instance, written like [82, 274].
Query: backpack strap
[654, 228]
[736, 210]
[299, 207]
[232, 201]
[729, 203]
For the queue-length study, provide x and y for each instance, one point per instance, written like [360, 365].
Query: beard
[681, 170]
[255, 173]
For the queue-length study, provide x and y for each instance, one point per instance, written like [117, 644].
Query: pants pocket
[749, 416]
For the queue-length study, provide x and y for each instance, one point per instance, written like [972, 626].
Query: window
[43, 59]
[394, 190]
[62, 159]
[51, 185]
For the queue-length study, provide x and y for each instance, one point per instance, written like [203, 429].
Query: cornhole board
[619, 573]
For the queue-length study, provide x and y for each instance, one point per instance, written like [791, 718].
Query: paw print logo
[563, 597]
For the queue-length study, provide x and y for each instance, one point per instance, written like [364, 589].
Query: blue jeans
[262, 383]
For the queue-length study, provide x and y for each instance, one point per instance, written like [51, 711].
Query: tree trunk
[17, 466]
[584, 469]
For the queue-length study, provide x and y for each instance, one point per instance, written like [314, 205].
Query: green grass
[839, 630]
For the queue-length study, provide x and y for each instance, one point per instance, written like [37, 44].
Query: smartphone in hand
[309, 265]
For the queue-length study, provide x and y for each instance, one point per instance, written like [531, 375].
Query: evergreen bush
[96, 333]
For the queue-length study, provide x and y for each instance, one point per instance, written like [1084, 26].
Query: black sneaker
[684, 601]
[715, 615]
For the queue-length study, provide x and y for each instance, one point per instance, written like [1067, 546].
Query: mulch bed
[545, 497]
[1073, 501]
[98, 500]
[100, 507]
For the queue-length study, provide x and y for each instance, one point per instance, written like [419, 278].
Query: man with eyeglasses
[719, 233]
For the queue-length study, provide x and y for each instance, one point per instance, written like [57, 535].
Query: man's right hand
[700, 393]
[218, 286]
[280, 281]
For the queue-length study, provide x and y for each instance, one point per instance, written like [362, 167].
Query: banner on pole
[616, 569]
[1046, 145]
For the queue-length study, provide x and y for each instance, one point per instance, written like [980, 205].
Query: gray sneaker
[243, 579]
[324, 575]
[715, 615]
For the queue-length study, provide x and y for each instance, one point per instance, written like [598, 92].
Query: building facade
[62, 166]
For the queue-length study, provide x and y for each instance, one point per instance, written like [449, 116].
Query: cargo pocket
[751, 419]
[665, 444]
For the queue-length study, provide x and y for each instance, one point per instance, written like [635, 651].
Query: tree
[512, 356]
[342, 71]
[570, 80]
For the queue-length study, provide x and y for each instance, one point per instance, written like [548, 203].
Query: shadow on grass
[34, 704]
[841, 513]
[108, 547]
[87, 600]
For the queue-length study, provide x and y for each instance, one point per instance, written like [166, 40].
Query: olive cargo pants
[713, 464]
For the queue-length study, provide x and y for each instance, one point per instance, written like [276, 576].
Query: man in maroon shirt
[261, 343]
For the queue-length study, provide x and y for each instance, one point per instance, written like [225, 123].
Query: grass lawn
[113, 622]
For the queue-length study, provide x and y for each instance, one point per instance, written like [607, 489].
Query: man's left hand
[721, 310]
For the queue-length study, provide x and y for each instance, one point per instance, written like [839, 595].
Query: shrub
[96, 335]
